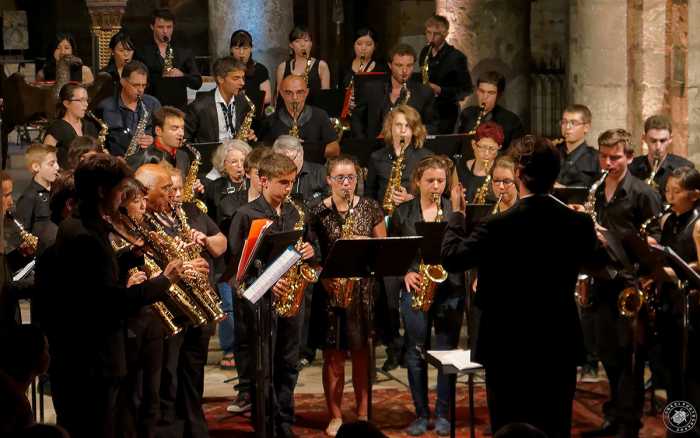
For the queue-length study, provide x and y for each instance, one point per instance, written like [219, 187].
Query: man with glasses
[579, 161]
[312, 123]
[489, 88]
[122, 112]
[658, 137]
[447, 70]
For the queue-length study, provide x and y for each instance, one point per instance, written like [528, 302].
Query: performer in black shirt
[658, 135]
[155, 52]
[122, 53]
[445, 312]
[310, 185]
[377, 98]
[62, 45]
[33, 205]
[530, 308]
[256, 75]
[315, 71]
[622, 204]
[489, 87]
[364, 61]
[123, 111]
[314, 126]
[579, 161]
[472, 173]
[448, 72]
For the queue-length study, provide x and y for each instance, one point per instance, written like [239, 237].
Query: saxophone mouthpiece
[303, 53]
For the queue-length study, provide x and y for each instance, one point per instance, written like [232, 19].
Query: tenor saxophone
[28, 239]
[343, 288]
[394, 182]
[188, 193]
[169, 59]
[246, 126]
[425, 67]
[590, 204]
[431, 275]
[297, 278]
[102, 135]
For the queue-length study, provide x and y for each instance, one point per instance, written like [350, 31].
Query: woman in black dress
[338, 327]
[122, 53]
[63, 45]
[319, 77]
[364, 61]
[472, 174]
[256, 76]
[70, 120]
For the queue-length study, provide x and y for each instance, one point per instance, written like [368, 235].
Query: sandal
[227, 362]
[333, 426]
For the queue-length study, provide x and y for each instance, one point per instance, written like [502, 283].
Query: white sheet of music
[270, 276]
[460, 359]
[24, 271]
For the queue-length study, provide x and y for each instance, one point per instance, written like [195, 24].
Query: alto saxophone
[140, 129]
[169, 59]
[297, 278]
[482, 113]
[307, 67]
[343, 288]
[188, 194]
[406, 93]
[244, 131]
[480, 195]
[28, 239]
[590, 204]
[497, 204]
[654, 170]
[102, 135]
[425, 67]
[431, 275]
[394, 179]
[294, 130]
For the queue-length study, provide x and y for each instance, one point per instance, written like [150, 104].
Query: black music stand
[449, 144]
[272, 246]
[571, 194]
[331, 101]
[360, 148]
[171, 91]
[371, 258]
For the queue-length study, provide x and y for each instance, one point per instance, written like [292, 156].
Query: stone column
[106, 17]
[599, 73]
[268, 21]
[495, 35]
[693, 85]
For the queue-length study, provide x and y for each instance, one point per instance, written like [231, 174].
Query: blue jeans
[447, 317]
[226, 327]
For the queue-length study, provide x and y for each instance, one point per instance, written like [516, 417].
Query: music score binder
[251, 245]
[270, 276]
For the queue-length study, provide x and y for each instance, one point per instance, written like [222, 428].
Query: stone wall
[549, 27]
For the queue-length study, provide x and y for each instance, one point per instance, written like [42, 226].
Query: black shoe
[303, 363]
[391, 363]
[608, 428]
[285, 431]
[240, 405]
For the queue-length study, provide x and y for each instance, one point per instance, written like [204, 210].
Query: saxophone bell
[431, 275]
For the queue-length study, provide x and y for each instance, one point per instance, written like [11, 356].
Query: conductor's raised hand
[458, 198]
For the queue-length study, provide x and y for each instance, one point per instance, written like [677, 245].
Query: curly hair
[414, 122]
[491, 130]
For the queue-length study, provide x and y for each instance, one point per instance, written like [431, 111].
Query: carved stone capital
[106, 17]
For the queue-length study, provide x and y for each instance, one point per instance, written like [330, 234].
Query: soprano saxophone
[188, 193]
[297, 278]
[654, 170]
[431, 275]
[246, 126]
[343, 288]
[140, 129]
[394, 179]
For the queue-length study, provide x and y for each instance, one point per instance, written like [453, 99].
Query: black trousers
[538, 395]
[244, 343]
[390, 311]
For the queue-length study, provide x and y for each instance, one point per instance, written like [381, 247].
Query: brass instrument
[482, 113]
[425, 67]
[404, 95]
[350, 92]
[297, 278]
[497, 204]
[169, 59]
[480, 195]
[651, 220]
[633, 298]
[394, 182]
[140, 128]
[247, 123]
[188, 194]
[159, 307]
[307, 67]
[28, 239]
[343, 288]
[339, 127]
[294, 130]
[654, 170]
[102, 135]
[431, 275]
[589, 206]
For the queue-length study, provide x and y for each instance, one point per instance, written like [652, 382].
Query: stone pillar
[106, 17]
[598, 73]
[677, 55]
[693, 85]
[268, 21]
[495, 35]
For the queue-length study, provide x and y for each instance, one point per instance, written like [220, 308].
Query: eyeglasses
[342, 178]
[571, 123]
[506, 182]
[491, 149]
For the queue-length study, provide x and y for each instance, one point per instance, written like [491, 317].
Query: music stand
[449, 144]
[571, 194]
[371, 258]
[171, 91]
[272, 246]
[364, 80]
[360, 148]
[331, 101]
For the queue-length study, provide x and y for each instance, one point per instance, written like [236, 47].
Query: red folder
[250, 247]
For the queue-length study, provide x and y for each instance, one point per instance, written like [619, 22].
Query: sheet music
[460, 359]
[273, 273]
[24, 271]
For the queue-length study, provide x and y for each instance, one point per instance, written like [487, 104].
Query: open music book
[270, 276]
[460, 359]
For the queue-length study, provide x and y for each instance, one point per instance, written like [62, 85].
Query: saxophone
[298, 277]
[497, 204]
[294, 130]
[654, 170]
[28, 239]
[140, 129]
[343, 287]
[188, 194]
[425, 67]
[394, 179]
[406, 93]
[643, 229]
[169, 59]
[482, 113]
[102, 135]
[350, 92]
[589, 206]
[480, 195]
[245, 129]
[166, 316]
[307, 67]
[431, 275]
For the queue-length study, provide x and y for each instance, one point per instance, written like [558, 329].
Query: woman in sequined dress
[339, 331]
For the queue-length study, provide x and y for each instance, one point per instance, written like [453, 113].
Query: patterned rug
[393, 412]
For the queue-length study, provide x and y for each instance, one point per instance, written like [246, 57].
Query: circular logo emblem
[680, 416]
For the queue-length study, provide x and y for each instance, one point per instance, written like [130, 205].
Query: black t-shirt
[579, 168]
[64, 133]
[204, 224]
[315, 128]
[258, 76]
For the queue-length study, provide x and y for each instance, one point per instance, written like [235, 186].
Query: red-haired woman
[486, 144]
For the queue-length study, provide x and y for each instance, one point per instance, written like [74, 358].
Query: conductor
[529, 324]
